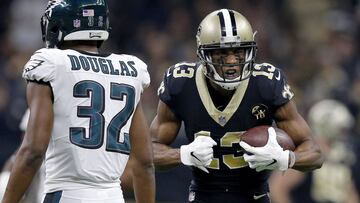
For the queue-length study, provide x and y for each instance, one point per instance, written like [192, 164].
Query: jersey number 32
[95, 137]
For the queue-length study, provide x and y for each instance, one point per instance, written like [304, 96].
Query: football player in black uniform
[218, 99]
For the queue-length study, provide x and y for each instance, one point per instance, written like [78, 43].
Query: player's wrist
[185, 155]
[284, 160]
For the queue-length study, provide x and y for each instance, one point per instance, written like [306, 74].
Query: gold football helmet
[220, 30]
[330, 118]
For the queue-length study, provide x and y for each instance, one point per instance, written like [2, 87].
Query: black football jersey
[185, 91]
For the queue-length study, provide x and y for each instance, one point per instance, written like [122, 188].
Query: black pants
[227, 197]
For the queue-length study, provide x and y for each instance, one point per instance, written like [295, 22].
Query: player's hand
[198, 153]
[269, 157]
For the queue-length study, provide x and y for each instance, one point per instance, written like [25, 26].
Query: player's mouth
[231, 73]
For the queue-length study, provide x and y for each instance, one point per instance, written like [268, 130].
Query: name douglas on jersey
[105, 66]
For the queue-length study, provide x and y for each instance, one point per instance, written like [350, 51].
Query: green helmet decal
[68, 20]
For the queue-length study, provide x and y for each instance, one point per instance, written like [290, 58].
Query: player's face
[231, 60]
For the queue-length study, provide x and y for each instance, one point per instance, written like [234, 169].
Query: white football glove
[271, 156]
[198, 153]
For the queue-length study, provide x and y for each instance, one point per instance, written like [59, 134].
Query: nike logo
[273, 162]
[278, 76]
[192, 154]
[168, 73]
[256, 197]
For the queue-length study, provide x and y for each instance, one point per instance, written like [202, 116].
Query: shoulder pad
[182, 70]
[141, 68]
[174, 79]
[272, 83]
[41, 66]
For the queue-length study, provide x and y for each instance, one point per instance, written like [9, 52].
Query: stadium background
[314, 42]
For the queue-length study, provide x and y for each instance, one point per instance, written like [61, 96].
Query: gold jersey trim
[220, 117]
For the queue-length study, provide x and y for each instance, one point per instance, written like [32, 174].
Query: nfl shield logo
[222, 120]
[77, 23]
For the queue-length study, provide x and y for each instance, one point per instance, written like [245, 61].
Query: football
[258, 137]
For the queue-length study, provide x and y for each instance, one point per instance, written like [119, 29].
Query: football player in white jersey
[85, 112]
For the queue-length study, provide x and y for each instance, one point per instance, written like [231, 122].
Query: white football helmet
[225, 29]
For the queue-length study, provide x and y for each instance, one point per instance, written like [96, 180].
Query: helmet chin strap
[227, 86]
[217, 79]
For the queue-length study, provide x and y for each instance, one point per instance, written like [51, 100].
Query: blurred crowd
[314, 42]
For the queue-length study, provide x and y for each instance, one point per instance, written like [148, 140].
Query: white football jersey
[94, 99]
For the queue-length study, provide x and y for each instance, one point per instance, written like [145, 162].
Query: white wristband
[291, 159]
[184, 155]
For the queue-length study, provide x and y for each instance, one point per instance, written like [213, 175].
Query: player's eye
[239, 52]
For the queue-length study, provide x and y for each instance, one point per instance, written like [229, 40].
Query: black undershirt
[220, 100]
